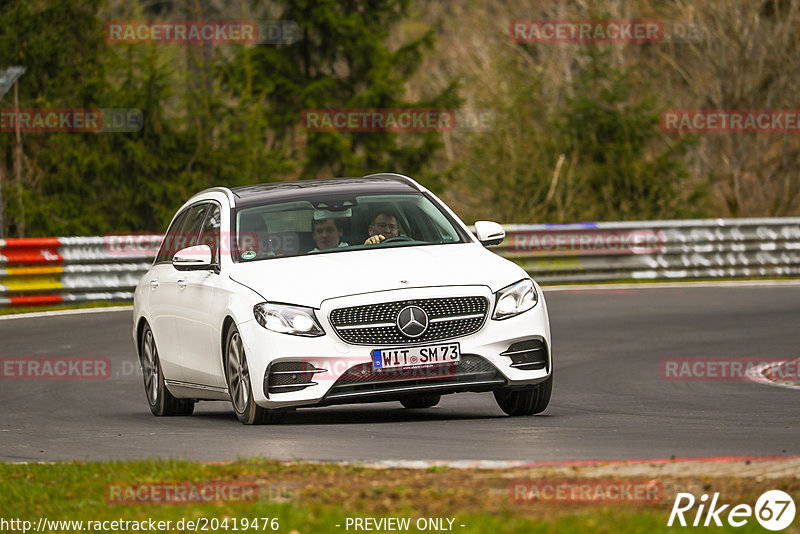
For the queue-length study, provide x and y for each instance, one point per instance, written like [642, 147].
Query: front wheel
[239, 385]
[161, 401]
[526, 401]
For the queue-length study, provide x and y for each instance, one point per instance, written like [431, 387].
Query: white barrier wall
[59, 269]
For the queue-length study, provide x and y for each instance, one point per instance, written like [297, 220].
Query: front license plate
[416, 356]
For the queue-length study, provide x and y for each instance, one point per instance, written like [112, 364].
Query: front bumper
[325, 370]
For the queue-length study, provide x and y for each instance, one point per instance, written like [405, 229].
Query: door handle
[153, 284]
[182, 284]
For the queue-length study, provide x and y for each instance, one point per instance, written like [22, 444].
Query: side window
[210, 234]
[194, 223]
[168, 249]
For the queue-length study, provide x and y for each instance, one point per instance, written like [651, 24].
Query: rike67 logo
[774, 510]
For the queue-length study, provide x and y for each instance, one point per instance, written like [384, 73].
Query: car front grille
[374, 324]
[362, 379]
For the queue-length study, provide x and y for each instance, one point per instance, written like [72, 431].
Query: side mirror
[489, 233]
[196, 258]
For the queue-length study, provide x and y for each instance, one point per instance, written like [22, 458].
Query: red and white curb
[766, 374]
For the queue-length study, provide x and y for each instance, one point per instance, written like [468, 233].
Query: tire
[161, 401]
[421, 400]
[240, 386]
[527, 401]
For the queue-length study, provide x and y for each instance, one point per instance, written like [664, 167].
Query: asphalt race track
[609, 400]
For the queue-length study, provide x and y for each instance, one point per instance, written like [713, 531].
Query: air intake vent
[528, 355]
[285, 377]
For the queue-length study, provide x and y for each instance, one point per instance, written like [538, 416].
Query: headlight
[515, 299]
[293, 320]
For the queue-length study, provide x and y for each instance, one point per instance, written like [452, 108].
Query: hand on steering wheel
[377, 239]
[398, 238]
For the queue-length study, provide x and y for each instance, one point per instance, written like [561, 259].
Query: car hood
[310, 280]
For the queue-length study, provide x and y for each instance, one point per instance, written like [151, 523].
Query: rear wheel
[423, 400]
[161, 401]
[526, 401]
[239, 385]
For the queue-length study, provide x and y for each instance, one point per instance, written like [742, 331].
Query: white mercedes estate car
[321, 292]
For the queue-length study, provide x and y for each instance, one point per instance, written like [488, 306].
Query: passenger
[382, 226]
[254, 237]
[327, 234]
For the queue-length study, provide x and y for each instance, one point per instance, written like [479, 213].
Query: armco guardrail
[72, 269]
[707, 248]
[53, 270]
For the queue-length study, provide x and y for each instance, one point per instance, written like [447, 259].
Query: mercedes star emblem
[412, 321]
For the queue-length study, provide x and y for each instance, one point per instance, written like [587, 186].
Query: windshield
[341, 224]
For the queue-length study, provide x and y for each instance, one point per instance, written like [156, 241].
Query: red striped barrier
[50, 270]
[54, 270]
[35, 300]
[31, 250]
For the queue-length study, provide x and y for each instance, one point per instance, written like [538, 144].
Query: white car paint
[187, 310]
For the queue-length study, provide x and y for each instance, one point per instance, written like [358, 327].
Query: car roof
[387, 183]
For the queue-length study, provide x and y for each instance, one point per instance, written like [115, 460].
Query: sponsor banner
[55, 368]
[587, 242]
[716, 369]
[586, 491]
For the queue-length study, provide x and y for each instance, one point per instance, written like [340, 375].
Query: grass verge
[315, 498]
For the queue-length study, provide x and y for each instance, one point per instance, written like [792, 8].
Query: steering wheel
[397, 239]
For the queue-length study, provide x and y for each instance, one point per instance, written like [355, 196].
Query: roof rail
[224, 190]
[402, 177]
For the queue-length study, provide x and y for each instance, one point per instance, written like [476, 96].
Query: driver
[382, 226]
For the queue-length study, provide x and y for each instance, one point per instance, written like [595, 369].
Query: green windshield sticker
[248, 255]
